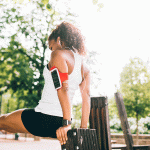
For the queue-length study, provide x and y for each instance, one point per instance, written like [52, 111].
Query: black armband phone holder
[58, 77]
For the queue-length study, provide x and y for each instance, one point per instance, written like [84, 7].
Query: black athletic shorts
[40, 124]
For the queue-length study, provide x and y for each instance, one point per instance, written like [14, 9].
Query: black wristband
[66, 122]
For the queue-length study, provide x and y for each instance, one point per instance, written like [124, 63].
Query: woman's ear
[58, 41]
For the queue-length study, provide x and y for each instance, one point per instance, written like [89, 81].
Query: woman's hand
[61, 134]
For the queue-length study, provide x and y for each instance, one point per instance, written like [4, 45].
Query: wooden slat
[82, 139]
[125, 127]
[124, 121]
[120, 147]
[135, 147]
[89, 140]
[107, 124]
[86, 141]
[94, 122]
[98, 128]
[141, 147]
[101, 121]
[95, 141]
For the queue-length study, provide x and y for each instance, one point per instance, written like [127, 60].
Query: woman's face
[55, 45]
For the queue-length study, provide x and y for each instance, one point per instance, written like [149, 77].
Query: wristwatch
[66, 122]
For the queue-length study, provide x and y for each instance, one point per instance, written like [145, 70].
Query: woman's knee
[6, 119]
[2, 121]
[2, 118]
[11, 121]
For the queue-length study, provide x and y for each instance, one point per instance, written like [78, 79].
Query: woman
[67, 45]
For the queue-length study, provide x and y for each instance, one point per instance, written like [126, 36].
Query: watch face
[66, 122]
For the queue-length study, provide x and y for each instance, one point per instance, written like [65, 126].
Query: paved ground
[29, 144]
[7, 142]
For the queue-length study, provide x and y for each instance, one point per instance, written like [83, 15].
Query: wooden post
[124, 121]
[25, 136]
[81, 139]
[99, 120]
[16, 136]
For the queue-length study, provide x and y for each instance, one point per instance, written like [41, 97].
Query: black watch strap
[66, 122]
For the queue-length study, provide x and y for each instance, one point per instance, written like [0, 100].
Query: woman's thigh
[29, 121]
[40, 124]
[12, 122]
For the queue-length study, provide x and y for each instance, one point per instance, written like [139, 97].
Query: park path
[7, 142]
[29, 144]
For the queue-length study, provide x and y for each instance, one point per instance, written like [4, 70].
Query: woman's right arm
[85, 93]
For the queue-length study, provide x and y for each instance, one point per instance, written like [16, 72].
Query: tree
[23, 52]
[135, 87]
[112, 107]
[22, 56]
[77, 113]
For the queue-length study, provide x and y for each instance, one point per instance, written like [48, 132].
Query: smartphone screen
[56, 79]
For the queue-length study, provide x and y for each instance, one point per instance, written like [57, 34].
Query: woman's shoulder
[59, 53]
[57, 56]
[58, 60]
[56, 53]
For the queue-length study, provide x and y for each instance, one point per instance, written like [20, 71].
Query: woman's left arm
[58, 61]
[66, 109]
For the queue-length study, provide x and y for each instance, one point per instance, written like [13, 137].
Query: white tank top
[49, 103]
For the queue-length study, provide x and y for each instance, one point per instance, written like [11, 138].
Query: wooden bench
[81, 139]
[99, 120]
[125, 126]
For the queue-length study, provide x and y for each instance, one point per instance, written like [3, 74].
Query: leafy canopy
[135, 87]
[25, 27]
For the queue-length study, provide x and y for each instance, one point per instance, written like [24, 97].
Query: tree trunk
[137, 132]
[1, 104]
[7, 111]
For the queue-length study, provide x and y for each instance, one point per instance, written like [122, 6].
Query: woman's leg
[12, 122]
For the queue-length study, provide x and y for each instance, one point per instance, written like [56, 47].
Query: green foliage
[10, 102]
[24, 33]
[45, 1]
[112, 107]
[21, 1]
[142, 128]
[115, 125]
[22, 57]
[146, 122]
[135, 87]
[16, 73]
[48, 6]
[77, 113]
[18, 1]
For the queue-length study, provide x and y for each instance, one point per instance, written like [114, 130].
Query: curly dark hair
[70, 35]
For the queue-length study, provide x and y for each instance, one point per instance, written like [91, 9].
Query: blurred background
[117, 37]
